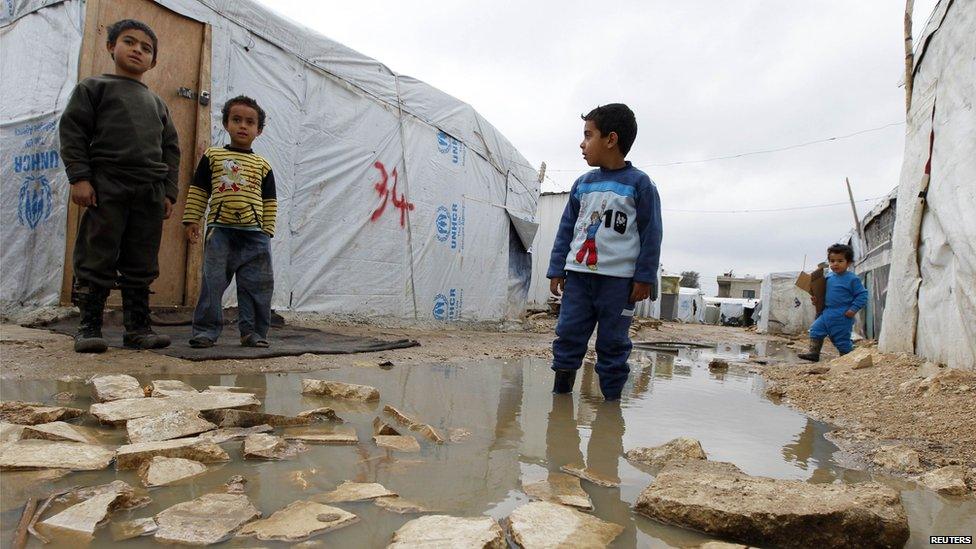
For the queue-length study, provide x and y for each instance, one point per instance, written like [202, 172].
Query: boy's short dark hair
[842, 249]
[118, 27]
[615, 117]
[243, 100]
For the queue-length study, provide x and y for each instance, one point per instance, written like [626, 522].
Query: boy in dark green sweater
[122, 156]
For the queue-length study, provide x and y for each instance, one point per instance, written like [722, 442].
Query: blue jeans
[246, 254]
[603, 302]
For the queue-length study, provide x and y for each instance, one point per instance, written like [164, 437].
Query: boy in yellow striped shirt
[239, 188]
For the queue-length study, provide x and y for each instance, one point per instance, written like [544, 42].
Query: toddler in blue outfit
[844, 298]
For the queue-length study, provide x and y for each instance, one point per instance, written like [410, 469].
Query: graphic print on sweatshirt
[605, 239]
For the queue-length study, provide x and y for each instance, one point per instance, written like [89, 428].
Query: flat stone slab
[400, 443]
[10, 432]
[354, 491]
[338, 389]
[127, 497]
[720, 500]
[129, 529]
[126, 409]
[948, 481]
[424, 429]
[897, 458]
[59, 430]
[549, 525]
[560, 488]
[324, 413]
[658, 456]
[171, 387]
[208, 519]
[336, 435]
[218, 436]
[166, 426]
[264, 446]
[299, 521]
[32, 413]
[402, 506]
[590, 476]
[447, 531]
[86, 516]
[115, 387]
[48, 454]
[160, 471]
[380, 427]
[245, 418]
[131, 456]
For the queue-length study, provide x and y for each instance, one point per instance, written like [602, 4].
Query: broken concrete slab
[720, 500]
[428, 432]
[401, 505]
[49, 454]
[323, 413]
[171, 387]
[128, 498]
[447, 531]
[681, 448]
[166, 426]
[948, 481]
[550, 525]
[126, 409]
[246, 418]
[59, 430]
[33, 413]
[98, 502]
[560, 488]
[131, 456]
[129, 529]
[299, 521]
[400, 443]
[115, 387]
[208, 519]
[590, 476]
[338, 389]
[218, 436]
[860, 358]
[400, 417]
[335, 435]
[160, 471]
[897, 458]
[382, 428]
[264, 446]
[354, 491]
[10, 432]
[424, 429]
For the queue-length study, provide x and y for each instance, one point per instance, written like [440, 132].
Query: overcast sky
[705, 79]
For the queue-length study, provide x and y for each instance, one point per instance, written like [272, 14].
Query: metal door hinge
[187, 93]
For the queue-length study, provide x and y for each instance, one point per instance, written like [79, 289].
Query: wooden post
[857, 220]
[542, 173]
[909, 56]
[194, 252]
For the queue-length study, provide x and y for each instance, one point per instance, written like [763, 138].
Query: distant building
[746, 287]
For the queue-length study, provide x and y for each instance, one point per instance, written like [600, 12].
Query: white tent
[931, 306]
[729, 308]
[395, 199]
[691, 305]
[786, 309]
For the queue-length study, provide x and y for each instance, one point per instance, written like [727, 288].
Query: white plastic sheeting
[550, 211]
[395, 199]
[931, 309]
[786, 309]
[691, 305]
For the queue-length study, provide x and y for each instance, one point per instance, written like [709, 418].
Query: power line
[790, 209]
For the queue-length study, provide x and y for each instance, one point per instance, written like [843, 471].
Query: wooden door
[183, 61]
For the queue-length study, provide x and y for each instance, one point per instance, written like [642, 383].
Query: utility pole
[909, 56]
[542, 173]
[857, 220]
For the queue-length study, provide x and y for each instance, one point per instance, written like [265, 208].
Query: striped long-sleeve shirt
[240, 188]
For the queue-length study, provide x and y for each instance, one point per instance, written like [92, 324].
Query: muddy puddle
[510, 431]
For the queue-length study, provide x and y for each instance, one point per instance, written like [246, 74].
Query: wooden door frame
[86, 67]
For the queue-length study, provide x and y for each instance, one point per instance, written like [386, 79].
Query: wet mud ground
[510, 431]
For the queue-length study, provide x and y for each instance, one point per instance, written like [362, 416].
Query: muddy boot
[565, 379]
[91, 302]
[135, 317]
[814, 354]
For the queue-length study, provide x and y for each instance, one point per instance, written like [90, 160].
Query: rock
[47, 454]
[399, 443]
[400, 505]
[681, 448]
[299, 521]
[337, 389]
[122, 531]
[428, 432]
[171, 387]
[720, 500]
[160, 471]
[230, 433]
[98, 502]
[336, 435]
[208, 519]
[381, 428]
[590, 476]
[327, 414]
[32, 413]
[928, 369]
[245, 418]
[458, 435]
[948, 481]
[718, 364]
[400, 417]
[862, 357]
[775, 392]
[236, 485]
[424, 429]
[10, 432]
[63, 396]
[897, 458]
[544, 525]
[127, 500]
[353, 491]
[817, 370]
[115, 387]
[125, 409]
[59, 430]
[166, 426]
[131, 456]
[229, 389]
[446, 531]
[560, 488]
[264, 446]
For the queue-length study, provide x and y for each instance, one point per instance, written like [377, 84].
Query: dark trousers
[592, 300]
[118, 241]
[246, 254]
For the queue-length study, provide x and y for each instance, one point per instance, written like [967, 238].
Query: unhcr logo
[34, 205]
[448, 145]
[442, 223]
[449, 225]
[448, 307]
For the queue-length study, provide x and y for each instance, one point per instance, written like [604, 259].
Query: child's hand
[850, 314]
[167, 208]
[192, 231]
[640, 291]
[83, 194]
[556, 285]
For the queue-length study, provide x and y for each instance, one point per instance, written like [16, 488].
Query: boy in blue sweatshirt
[606, 253]
[844, 298]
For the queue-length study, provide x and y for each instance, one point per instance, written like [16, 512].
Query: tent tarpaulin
[786, 309]
[691, 305]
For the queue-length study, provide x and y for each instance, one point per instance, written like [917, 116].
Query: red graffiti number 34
[388, 194]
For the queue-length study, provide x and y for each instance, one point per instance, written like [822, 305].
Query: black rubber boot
[135, 317]
[565, 379]
[814, 354]
[91, 302]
